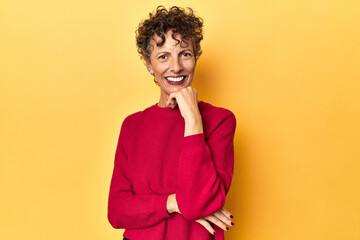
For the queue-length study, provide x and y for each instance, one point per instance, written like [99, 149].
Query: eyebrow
[187, 49]
[161, 53]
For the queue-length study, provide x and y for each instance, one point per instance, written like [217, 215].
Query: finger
[168, 102]
[173, 103]
[223, 218]
[226, 213]
[206, 225]
[171, 100]
[217, 222]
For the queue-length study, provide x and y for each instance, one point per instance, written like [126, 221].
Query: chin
[174, 88]
[177, 88]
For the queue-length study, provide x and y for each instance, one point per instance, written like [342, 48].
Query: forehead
[170, 42]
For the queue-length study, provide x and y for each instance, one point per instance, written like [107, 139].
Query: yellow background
[289, 70]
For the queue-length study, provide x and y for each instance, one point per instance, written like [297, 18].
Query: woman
[174, 160]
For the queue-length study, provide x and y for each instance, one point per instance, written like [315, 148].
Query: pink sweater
[153, 159]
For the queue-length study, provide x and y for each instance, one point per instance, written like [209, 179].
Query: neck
[163, 99]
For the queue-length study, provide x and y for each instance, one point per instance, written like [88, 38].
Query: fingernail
[227, 229]
[231, 216]
[232, 224]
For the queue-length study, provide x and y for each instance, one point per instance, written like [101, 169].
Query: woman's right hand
[220, 218]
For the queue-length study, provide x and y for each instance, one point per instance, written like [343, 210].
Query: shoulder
[215, 116]
[208, 110]
[132, 120]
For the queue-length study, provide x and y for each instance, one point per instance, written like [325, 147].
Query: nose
[176, 65]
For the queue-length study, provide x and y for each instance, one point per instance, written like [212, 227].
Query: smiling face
[172, 65]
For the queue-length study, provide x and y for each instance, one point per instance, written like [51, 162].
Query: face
[172, 65]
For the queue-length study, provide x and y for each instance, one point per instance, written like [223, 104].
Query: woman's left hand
[186, 99]
[220, 218]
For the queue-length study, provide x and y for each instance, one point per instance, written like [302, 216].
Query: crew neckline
[167, 108]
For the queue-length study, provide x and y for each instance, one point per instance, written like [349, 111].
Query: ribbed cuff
[195, 140]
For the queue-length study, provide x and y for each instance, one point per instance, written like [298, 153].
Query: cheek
[190, 66]
[159, 69]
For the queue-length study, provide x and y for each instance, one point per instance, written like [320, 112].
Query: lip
[176, 76]
[176, 83]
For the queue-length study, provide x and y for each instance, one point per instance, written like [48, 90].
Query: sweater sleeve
[205, 170]
[125, 208]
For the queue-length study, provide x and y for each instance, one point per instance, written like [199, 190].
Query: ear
[149, 67]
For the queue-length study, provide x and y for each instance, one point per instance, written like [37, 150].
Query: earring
[156, 81]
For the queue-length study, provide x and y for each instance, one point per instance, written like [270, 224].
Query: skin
[173, 60]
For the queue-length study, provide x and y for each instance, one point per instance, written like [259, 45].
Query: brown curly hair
[176, 19]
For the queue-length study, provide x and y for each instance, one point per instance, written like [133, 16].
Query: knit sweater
[153, 159]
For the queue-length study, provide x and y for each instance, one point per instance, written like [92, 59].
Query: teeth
[178, 79]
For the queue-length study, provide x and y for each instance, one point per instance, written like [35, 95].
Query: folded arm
[205, 170]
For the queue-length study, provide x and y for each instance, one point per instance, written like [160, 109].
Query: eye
[187, 54]
[162, 57]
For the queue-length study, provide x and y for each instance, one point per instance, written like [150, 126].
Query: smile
[175, 80]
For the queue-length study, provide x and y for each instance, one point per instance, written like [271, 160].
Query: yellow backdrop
[289, 70]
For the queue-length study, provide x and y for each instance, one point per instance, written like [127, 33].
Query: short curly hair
[176, 19]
